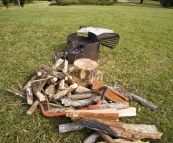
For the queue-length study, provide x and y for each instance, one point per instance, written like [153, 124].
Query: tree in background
[5, 2]
[166, 3]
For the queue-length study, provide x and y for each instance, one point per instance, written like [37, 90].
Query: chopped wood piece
[37, 91]
[33, 107]
[16, 92]
[132, 131]
[57, 63]
[59, 109]
[92, 138]
[50, 90]
[119, 105]
[136, 98]
[65, 91]
[106, 137]
[74, 126]
[126, 141]
[107, 114]
[80, 103]
[82, 89]
[110, 94]
[82, 96]
[29, 95]
[51, 71]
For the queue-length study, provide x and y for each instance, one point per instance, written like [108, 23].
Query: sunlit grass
[142, 62]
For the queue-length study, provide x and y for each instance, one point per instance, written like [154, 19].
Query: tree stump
[85, 72]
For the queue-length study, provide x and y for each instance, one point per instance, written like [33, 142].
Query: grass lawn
[142, 63]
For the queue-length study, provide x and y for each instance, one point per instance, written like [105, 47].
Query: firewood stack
[66, 90]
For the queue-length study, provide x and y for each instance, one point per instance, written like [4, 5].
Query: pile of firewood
[79, 93]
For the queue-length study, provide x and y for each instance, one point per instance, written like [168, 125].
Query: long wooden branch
[136, 98]
[106, 137]
[16, 92]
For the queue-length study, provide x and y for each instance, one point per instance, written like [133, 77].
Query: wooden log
[16, 92]
[92, 138]
[37, 91]
[80, 103]
[82, 89]
[110, 94]
[136, 98]
[65, 91]
[57, 63]
[126, 141]
[106, 137]
[119, 105]
[29, 95]
[74, 126]
[134, 132]
[50, 91]
[82, 96]
[33, 107]
[59, 109]
[107, 114]
[50, 71]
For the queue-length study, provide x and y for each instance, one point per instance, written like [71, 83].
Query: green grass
[142, 63]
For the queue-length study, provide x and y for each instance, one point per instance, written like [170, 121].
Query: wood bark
[82, 96]
[50, 91]
[92, 138]
[119, 105]
[29, 95]
[57, 63]
[33, 107]
[74, 126]
[80, 103]
[37, 87]
[66, 91]
[136, 98]
[110, 94]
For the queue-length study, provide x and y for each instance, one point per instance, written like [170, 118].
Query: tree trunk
[168, 3]
[141, 1]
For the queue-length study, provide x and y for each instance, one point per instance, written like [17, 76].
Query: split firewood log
[92, 138]
[110, 94]
[118, 129]
[33, 107]
[57, 63]
[107, 114]
[106, 137]
[65, 91]
[80, 103]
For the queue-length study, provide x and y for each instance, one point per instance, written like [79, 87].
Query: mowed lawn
[142, 63]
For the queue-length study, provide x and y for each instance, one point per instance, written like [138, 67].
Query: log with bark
[136, 98]
[118, 129]
[92, 138]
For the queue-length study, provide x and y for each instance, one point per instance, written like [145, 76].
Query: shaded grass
[142, 62]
